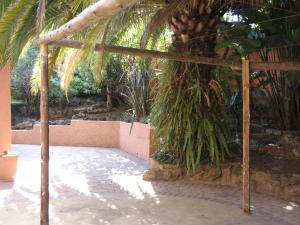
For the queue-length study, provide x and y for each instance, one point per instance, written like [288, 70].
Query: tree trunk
[194, 31]
[108, 97]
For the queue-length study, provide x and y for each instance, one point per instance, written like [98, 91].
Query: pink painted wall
[80, 133]
[109, 134]
[138, 141]
[5, 110]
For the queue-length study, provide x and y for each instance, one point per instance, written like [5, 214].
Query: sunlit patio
[105, 186]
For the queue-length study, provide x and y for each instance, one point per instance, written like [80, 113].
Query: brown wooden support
[246, 136]
[44, 109]
[234, 65]
[152, 54]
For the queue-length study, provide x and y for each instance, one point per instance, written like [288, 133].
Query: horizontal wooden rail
[254, 66]
[153, 54]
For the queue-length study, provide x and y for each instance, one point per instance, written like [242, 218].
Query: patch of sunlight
[28, 176]
[290, 207]
[102, 221]
[99, 197]
[75, 180]
[134, 185]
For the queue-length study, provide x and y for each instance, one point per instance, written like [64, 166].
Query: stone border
[285, 186]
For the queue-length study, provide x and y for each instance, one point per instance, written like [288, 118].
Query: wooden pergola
[101, 10]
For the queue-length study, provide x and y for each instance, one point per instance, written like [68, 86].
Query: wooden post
[44, 108]
[246, 136]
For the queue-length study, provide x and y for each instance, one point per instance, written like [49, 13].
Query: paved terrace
[105, 186]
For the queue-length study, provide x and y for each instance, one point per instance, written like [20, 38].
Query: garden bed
[272, 175]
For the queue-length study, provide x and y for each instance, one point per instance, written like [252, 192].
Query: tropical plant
[190, 117]
[283, 88]
[277, 40]
[137, 91]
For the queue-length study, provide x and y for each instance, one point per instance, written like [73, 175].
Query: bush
[165, 157]
[83, 83]
[20, 83]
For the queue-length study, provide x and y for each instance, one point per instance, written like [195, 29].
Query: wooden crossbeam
[100, 10]
[152, 54]
[254, 66]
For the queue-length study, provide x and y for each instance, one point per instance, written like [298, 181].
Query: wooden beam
[279, 66]
[98, 11]
[254, 66]
[246, 136]
[153, 54]
[44, 109]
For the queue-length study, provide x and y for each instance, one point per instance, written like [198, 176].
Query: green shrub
[165, 157]
[83, 83]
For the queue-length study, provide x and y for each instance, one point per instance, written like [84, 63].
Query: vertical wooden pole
[44, 109]
[246, 136]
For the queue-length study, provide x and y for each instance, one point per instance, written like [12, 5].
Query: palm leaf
[160, 17]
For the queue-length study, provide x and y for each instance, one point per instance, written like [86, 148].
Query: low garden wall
[286, 186]
[83, 133]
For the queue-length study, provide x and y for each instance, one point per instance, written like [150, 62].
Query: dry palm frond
[71, 62]
[98, 74]
[217, 89]
[207, 99]
[160, 18]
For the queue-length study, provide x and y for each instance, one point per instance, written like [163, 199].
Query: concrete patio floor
[105, 186]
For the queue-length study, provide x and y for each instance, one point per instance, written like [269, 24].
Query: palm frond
[160, 18]
[71, 62]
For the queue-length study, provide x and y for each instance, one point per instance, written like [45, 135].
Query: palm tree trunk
[194, 31]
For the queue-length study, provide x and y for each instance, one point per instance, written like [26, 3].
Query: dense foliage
[82, 85]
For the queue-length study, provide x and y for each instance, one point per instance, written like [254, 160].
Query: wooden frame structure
[101, 10]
